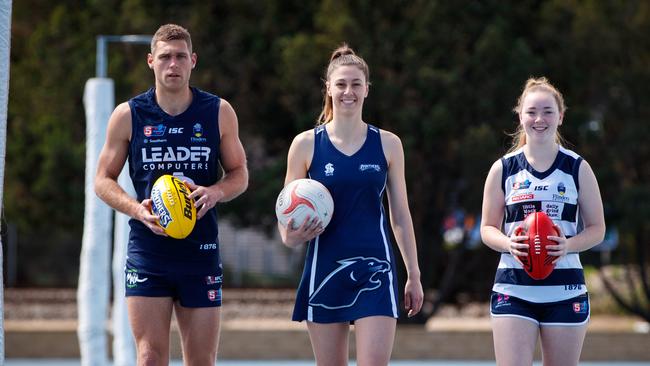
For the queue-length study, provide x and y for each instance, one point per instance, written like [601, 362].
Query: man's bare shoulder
[123, 110]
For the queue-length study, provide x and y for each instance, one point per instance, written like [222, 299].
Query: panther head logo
[343, 286]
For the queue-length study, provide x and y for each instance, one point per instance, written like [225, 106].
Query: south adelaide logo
[154, 134]
[521, 185]
[155, 131]
[501, 300]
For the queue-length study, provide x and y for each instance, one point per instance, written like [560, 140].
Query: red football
[538, 226]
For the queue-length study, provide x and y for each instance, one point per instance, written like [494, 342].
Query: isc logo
[541, 188]
[175, 130]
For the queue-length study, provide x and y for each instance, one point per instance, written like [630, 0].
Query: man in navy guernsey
[173, 129]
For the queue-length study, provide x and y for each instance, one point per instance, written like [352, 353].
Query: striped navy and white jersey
[349, 269]
[555, 192]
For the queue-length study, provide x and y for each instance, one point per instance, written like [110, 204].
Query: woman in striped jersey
[539, 174]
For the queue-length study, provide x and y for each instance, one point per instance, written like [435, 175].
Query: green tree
[444, 78]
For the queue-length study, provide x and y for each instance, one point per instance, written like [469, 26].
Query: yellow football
[176, 211]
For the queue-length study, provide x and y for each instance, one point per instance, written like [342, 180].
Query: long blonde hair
[342, 56]
[533, 85]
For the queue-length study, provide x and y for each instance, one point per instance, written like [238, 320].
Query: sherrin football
[176, 211]
[301, 198]
[538, 226]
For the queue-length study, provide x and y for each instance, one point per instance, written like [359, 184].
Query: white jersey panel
[554, 192]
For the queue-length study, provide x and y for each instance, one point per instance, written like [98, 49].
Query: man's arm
[110, 164]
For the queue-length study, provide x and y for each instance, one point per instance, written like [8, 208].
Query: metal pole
[100, 68]
[102, 52]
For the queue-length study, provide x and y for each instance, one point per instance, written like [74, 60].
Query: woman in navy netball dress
[539, 174]
[349, 274]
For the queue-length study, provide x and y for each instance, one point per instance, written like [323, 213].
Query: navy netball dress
[349, 270]
[184, 145]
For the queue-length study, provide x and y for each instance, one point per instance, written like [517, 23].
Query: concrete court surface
[52, 362]
[71, 362]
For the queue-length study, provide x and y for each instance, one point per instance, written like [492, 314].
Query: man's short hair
[171, 32]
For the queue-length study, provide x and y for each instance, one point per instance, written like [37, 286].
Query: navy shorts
[190, 290]
[570, 312]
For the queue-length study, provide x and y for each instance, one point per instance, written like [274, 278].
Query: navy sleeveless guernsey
[349, 270]
[554, 192]
[183, 145]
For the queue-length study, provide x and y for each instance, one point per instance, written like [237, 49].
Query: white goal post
[93, 290]
[5, 46]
